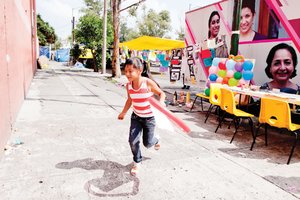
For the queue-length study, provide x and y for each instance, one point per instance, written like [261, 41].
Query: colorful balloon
[230, 73]
[238, 66]
[213, 77]
[225, 80]
[207, 92]
[222, 73]
[222, 65]
[247, 65]
[213, 70]
[242, 82]
[247, 75]
[232, 82]
[219, 80]
[216, 62]
[237, 75]
[208, 84]
[230, 64]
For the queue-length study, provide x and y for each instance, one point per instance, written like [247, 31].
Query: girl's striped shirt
[139, 97]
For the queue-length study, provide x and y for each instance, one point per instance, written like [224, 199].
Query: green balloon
[232, 82]
[207, 92]
[222, 73]
[237, 75]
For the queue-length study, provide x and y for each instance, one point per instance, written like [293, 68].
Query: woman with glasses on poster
[247, 20]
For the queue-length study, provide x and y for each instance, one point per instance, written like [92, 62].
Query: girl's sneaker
[135, 168]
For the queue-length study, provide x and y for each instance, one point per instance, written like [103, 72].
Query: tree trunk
[116, 71]
[94, 63]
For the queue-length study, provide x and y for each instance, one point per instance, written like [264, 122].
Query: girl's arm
[126, 107]
[156, 90]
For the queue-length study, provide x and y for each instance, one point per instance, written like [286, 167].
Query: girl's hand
[162, 103]
[121, 116]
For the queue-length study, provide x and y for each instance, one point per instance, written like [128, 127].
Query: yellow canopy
[153, 43]
[88, 54]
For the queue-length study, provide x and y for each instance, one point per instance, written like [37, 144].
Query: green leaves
[45, 32]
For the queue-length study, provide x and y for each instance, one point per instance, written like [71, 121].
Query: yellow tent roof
[153, 43]
[88, 54]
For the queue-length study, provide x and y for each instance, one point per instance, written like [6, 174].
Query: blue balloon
[230, 64]
[247, 75]
[216, 62]
[213, 77]
[247, 65]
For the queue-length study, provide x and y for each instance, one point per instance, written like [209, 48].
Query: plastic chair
[229, 106]
[214, 98]
[276, 112]
[201, 96]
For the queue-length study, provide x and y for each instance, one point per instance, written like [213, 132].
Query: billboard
[264, 26]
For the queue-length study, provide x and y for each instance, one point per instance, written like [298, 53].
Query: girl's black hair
[138, 63]
[272, 54]
[209, 20]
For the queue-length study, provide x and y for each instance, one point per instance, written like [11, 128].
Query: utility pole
[104, 39]
[73, 26]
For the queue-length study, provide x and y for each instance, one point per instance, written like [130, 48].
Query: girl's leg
[149, 138]
[134, 137]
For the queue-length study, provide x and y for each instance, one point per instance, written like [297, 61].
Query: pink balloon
[213, 70]
[219, 80]
[242, 82]
[230, 73]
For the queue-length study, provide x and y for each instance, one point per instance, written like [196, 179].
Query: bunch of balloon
[232, 71]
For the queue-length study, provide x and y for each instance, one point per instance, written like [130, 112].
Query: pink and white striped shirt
[139, 97]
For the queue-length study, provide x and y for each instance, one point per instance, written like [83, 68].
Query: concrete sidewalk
[68, 144]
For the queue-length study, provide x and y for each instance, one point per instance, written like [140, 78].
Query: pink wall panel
[4, 99]
[18, 67]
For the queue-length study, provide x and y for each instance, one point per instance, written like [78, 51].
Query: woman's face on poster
[246, 22]
[214, 27]
[282, 65]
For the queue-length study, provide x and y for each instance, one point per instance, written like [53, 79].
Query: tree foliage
[150, 22]
[45, 32]
[89, 30]
[180, 33]
[154, 24]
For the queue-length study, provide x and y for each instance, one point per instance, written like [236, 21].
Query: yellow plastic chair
[276, 112]
[201, 96]
[214, 98]
[228, 104]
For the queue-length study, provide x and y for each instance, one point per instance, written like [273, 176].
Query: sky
[58, 13]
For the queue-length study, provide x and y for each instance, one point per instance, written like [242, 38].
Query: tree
[154, 24]
[75, 52]
[127, 33]
[180, 33]
[45, 32]
[88, 31]
[116, 71]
